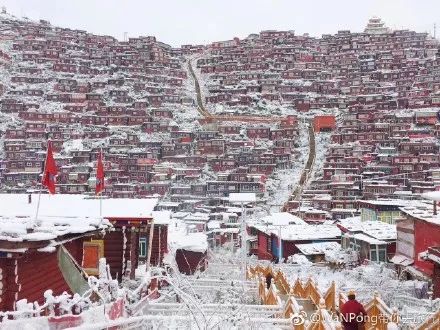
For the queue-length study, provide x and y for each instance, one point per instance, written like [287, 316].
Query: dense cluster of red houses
[376, 69]
[378, 92]
[86, 92]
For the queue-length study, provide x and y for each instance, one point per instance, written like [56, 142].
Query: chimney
[30, 199]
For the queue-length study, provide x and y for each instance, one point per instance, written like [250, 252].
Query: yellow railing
[431, 323]
[298, 289]
[322, 319]
[379, 314]
[268, 296]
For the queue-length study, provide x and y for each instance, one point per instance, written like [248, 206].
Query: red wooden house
[418, 241]
[372, 240]
[31, 258]
[293, 231]
[121, 235]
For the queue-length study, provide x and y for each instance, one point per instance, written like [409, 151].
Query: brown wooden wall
[160, 236]
[113, 251]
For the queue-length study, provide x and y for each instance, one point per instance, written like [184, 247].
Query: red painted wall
[436, 281]
[426, 235]
[262, 253]
[289, 248]
[36, 273]
[189, 261]
[320, 122]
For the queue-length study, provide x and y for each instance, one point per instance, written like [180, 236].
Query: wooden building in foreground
[69, 238]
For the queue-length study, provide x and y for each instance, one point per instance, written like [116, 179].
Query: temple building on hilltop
[376, 26]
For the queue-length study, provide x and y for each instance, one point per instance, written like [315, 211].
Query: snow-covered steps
[215, 282]
[212, 309]
[188, 322]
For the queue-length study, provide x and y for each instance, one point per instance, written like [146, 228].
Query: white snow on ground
[280, 185]
[322, 141]
[202, 79]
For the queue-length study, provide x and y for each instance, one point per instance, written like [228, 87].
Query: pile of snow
[298, 259]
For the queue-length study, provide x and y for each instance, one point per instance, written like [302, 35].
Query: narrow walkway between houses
[200, 105]
[305, 175]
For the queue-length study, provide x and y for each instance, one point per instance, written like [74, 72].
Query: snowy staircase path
[260, 311]
[219, 295]
[221, 283]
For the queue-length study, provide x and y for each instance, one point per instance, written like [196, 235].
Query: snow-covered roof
[368, 239]
[195, 242]
[376, 229]
[197, 216]
[421, 210]
[282, 218]
[302, 232]
[76, 206]
[242, 197]
[16, 229]
[161, 217]
[318, 248]
[388, 202]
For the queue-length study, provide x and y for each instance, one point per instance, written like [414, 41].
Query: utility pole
[435, 30]
[280, 246]
[243, 241]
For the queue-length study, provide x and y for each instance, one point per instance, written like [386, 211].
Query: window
[355, 245]
[143, 247]
[378, 253]
[269, 244]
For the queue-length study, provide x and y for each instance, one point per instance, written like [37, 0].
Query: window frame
[143, 240]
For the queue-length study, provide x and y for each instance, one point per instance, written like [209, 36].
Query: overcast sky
[178, 22]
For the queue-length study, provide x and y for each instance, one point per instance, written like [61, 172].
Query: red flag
[50, 170]
[99, 175]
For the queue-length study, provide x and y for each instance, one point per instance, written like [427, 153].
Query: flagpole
[34, 224]
[99, 194]
[100, 205]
